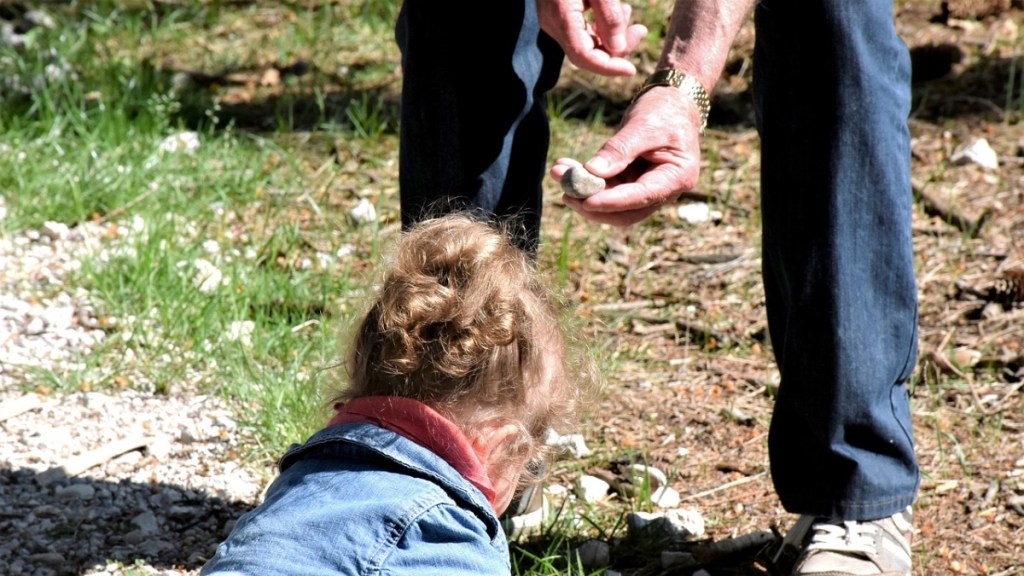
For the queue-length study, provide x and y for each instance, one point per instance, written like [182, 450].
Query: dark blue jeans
[474, 127]
[832, 92]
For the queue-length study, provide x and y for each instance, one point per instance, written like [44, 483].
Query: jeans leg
[474, 127]
[832, 93]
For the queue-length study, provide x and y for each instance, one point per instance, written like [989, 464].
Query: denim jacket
[356, 499]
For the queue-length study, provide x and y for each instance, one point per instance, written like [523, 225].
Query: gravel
[128, 482]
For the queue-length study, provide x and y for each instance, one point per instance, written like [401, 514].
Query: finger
[662, 182]
[577, 34]
[614, 218]
[635, 34]
[611, 18]
[652, 190]
[561, 166]
[659, 128]
[596, 60]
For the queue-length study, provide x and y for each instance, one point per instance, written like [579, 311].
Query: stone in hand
[577, 182]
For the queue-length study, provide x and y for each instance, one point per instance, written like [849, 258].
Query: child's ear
[488, 443]
[492, 444]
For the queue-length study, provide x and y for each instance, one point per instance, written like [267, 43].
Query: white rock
[979, 152]
[56, 230]
[208, 278]
[698, 213]
[666, 497]
[687, 521]
[639, 474]
[58, 317]
[241, 331]
[524, 525]
[187, 142]
[591, 488]
[35, 326]
[40, 18]
[556, 490]
[575, 444]
[180, 82]
[675, 523]
[556, 494]
[364, 212]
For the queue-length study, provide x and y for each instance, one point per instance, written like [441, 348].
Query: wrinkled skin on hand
[601, 46]
[652, 159]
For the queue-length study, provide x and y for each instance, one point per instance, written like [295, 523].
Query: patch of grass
[263, 202]
[210, 271]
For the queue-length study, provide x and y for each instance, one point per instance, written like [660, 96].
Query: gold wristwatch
[688, 84]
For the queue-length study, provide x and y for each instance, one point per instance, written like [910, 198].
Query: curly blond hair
[463, 323]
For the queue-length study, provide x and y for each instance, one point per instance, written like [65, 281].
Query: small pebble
[577, 182]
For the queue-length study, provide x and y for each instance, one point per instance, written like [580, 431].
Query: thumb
[613, 157]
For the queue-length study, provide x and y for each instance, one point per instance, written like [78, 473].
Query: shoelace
[848, 537]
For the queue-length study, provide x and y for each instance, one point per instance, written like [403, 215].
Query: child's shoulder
[365, 500]
[397, 472]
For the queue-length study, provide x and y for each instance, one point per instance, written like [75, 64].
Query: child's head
[463, 324]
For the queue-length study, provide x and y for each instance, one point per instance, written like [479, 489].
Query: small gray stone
[146, 522]
[675, 559]
[46, 511]
[76, 492]
[182, 512]
[577, 182]
[154, 548]
[679, 524]
[53, 558]
[594, 554]
[135, 537]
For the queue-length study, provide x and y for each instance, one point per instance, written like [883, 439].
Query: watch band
[688, 84]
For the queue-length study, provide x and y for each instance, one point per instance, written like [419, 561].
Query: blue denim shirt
[356, 499]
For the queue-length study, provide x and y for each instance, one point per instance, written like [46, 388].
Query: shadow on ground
[73, 525]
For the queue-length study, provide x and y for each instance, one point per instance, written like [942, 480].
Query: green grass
[83, 145]
[264, 201]
[232, 267]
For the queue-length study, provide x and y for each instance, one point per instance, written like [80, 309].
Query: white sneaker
[851, 548]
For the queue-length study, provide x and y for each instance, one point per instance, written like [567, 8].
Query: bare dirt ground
[677, 309]
[682, 308]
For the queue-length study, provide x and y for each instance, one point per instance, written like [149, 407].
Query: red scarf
[420, 423]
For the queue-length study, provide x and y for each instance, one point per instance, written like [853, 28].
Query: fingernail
[597, 165]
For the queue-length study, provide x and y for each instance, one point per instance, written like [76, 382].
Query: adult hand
[600, 46]
[652, 159]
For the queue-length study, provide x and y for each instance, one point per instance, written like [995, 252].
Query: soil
[675, 310]
[681, 309]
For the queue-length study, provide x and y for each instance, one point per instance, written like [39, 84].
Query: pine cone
[1007, 289]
